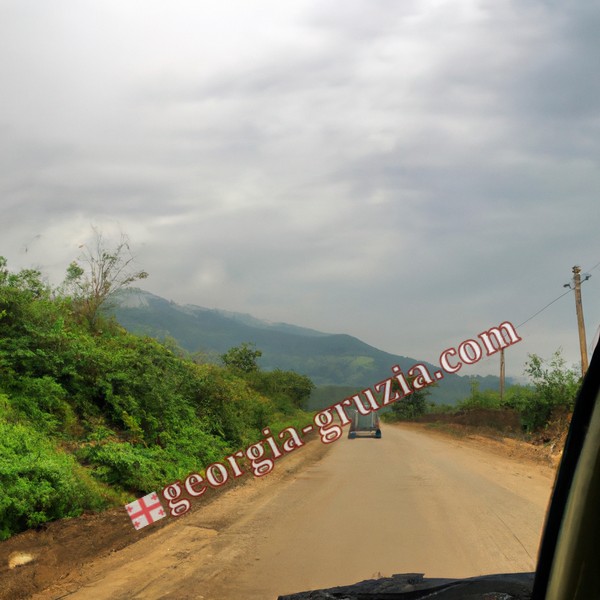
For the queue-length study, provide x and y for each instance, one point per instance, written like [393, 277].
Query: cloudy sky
[408, 172]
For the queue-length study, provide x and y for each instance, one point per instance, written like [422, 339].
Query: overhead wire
[541, 310]
[545, 307]
[557, 298]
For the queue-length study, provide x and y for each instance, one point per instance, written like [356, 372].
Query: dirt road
[410, 502]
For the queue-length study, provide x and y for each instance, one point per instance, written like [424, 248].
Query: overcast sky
[407, 172]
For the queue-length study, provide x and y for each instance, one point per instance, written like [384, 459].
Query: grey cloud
[405, 172]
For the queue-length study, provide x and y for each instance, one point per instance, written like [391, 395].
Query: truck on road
[365, 424]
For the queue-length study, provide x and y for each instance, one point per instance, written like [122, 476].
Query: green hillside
[92, 415]
[328, 359]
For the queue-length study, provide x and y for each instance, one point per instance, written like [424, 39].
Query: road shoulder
[64, 555]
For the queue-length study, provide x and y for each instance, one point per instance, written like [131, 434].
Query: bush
[43, 402]
[38, 482]
[555, 387]
[288, 390]
[135, 468]
[486, 399]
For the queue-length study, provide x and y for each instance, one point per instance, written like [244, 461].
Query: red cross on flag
[146, 510]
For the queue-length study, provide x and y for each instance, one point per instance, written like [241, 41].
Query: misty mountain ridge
[328, 359]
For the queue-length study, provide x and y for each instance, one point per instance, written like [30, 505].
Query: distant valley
[339, 364]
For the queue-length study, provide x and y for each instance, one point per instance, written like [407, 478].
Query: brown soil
[501, 431]
[492, 440]
[60, 548]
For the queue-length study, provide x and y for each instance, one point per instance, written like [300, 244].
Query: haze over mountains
[328, 359]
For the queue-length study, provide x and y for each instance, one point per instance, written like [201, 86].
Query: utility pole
[501, 374]
[580, 323]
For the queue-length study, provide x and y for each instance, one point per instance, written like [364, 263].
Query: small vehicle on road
[365, 424]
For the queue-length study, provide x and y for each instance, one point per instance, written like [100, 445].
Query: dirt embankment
[547, 454]
[502, 428]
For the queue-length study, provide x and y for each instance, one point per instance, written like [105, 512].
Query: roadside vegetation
[92, 416]
[530, 409]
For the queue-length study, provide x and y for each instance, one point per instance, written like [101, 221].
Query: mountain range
[338, 364]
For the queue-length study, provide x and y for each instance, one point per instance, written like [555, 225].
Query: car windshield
[295, 295]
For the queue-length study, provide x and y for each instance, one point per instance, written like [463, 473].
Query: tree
[558, 384]
[288, 389]
[26, 280]
[411, 406]
[98, 273]
[242, 358]
[555, 386]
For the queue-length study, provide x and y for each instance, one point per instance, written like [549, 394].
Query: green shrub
[39, 483]
[289, 390]
[486, 399]
[554, 386]
[44, 404]
[140, 470]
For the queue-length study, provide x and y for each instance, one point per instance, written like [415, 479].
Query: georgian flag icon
[146, 510]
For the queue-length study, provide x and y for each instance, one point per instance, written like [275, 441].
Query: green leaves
[289, 390]
[555, 383]
[242, 358]
[74, 276]
[555, 386]
[38, 483]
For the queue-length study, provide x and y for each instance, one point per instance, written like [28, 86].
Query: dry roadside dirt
[414, 501]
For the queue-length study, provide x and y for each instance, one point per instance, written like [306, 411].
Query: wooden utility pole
[501, 374]
[580, 323]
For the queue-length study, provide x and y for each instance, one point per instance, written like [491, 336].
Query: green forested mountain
[328, 359]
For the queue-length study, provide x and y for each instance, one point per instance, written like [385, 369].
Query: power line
[556, 299]
[596, 265]
[540, 311]
[545, 307]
